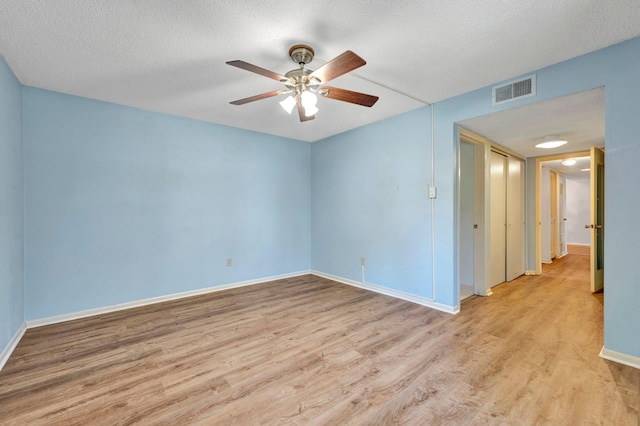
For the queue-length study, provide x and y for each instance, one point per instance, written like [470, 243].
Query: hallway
[554, 326]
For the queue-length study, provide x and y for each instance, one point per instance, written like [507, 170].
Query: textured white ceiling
[577, 118]
[575, 172]
[169, 56]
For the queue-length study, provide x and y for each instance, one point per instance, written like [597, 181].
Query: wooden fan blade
[338, 66]
[301, 113]
[349, 96]
[256, 69]
[255, 98]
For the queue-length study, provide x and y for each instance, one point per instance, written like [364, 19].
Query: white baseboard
[144, 302]
[390, 292]
[484, 293]
[529, 272]
[6, 353]
[621, 358]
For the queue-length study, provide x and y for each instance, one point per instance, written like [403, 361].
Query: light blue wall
[369, 198]
[11, 207]
[123, 204]
[617, 68]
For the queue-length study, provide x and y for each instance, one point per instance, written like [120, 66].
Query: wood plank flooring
[308, 350]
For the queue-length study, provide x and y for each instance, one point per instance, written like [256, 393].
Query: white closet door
[498, 240]
[515, 218]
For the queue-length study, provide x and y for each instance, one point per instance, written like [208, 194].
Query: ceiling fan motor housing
[301, 54]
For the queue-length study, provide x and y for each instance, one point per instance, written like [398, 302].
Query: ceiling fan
[303, 85]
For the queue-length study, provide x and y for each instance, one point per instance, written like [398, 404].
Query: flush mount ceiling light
[551, 141]
[569, 162]
[303, 85]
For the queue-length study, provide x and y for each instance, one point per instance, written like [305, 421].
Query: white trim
[390, 292]
[621, 358]
[529, 272]
[579, 244]
[6, 353]
[487, 292]
[144, 302]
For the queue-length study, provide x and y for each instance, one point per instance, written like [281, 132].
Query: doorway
[579, 117]
[467, 218]
[554, 226]
[472, 218]
[552, 206]
[550, 172]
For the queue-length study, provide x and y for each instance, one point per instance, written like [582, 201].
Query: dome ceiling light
[551, 141]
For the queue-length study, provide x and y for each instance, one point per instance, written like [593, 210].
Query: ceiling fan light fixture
[308, 99]
[310, 111]
[288, 104]
[551, 141]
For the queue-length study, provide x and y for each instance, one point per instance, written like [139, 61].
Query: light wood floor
[311, 351]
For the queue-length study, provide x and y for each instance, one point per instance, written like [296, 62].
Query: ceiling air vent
[514, 90]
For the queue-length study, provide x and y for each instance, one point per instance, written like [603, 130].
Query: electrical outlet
[363, 261]
[228, 261]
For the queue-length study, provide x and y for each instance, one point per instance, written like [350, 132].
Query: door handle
[593, 226]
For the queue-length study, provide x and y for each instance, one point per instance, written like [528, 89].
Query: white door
[498, 208]
[562, 215]
[515, 219]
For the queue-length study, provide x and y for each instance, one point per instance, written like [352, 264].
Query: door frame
[539, 161]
